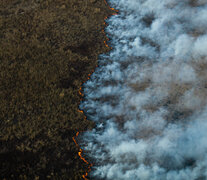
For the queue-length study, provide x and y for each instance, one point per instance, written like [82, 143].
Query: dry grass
[47, 49]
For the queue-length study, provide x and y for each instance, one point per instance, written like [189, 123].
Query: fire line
[84, 176]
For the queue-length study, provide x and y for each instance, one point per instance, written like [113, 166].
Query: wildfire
[110, 7]
[105, 24]
[80, 92]
[82, 95]
[82, 158]
[80, 111]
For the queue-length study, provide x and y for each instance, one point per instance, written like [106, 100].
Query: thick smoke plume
[148, 96]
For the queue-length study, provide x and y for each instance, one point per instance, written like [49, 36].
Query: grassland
[47, 49]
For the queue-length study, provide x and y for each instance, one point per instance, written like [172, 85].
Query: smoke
[148, 96]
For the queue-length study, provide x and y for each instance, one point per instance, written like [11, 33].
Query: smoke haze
[148, 96]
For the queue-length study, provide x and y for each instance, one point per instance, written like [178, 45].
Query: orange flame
[84, 176]
[82, 158]
[111, 7]
[80, 111]
[105, 24]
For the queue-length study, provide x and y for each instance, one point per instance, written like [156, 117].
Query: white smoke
[148, 96]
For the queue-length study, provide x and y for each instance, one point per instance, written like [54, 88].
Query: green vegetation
[47, 49]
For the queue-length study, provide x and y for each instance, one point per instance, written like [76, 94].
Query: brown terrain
[47, 50]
